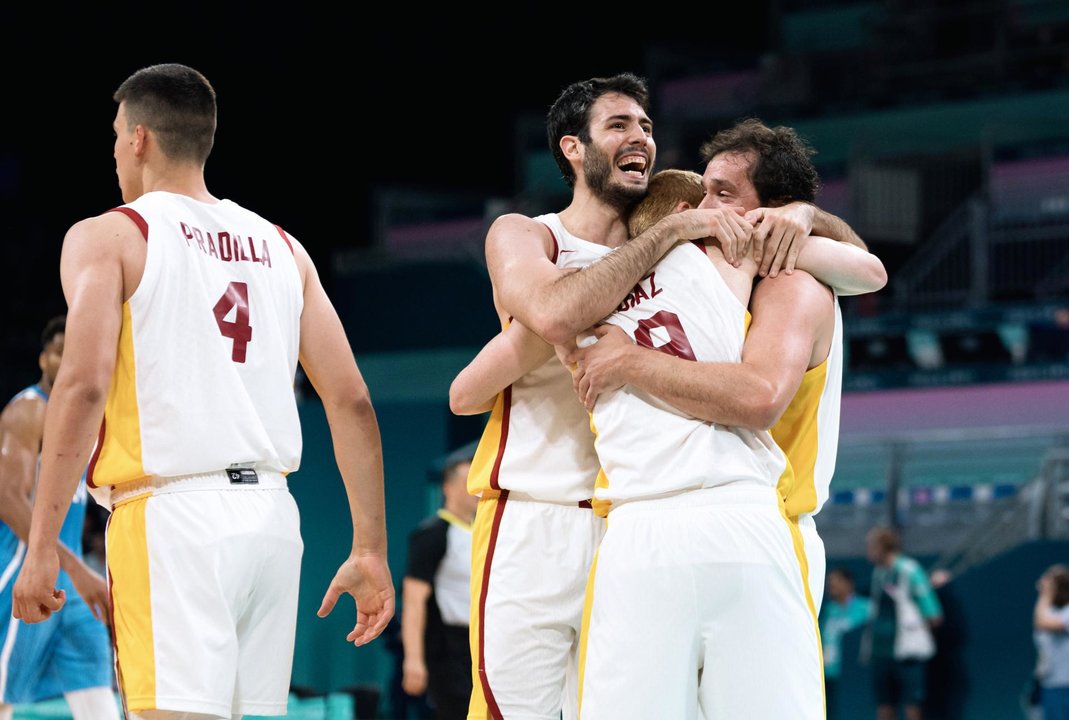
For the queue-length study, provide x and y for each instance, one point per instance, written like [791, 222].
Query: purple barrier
[1041, 404]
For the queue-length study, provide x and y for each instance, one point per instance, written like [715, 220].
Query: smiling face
[619, 155]
[727, 183]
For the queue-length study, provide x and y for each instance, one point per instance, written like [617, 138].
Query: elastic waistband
[221, 480]
[736, 494]
[513, 495]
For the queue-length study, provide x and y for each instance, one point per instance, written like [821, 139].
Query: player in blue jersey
[70, 653]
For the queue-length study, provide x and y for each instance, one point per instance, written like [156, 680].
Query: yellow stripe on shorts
[128, 568]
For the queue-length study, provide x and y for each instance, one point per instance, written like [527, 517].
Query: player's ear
[682, 205]
[569, 145]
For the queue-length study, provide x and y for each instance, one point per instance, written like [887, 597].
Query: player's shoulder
[517, 224]
[431, 524]
[25, 409]
[798, 284]
[100, 231]
[429, 536]
[515, 231]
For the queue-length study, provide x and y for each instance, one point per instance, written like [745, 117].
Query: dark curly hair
[782, 170]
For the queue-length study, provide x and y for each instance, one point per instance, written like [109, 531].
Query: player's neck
[594, 221]
[185, 180]
[45, 384]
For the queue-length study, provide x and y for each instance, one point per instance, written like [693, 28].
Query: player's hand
[731, 229]
[35, 593]
[599, 366]
[779, 234]
[367, 579]
[93, 589]
[414, 677]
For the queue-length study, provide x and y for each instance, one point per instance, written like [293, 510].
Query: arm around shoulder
[846, 268]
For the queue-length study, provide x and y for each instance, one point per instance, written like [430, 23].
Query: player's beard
[597, 171]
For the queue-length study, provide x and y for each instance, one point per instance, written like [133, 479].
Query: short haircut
[782, 170]
[570, 112]
[175, 102]
[452, 464]
[844, 572]
[667, 189]
[55, 326]
[887, 538]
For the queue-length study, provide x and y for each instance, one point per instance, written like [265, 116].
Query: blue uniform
[70, 650]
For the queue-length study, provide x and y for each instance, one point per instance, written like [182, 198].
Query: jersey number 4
[239, 330]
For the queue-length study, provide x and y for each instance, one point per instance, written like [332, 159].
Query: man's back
[686, 308]
[220, 283]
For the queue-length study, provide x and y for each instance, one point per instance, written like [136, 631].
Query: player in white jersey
[534, 533]
[790, 377]
[187, 317]
[602, 141]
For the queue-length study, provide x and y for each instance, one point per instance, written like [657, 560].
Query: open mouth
[633, 165]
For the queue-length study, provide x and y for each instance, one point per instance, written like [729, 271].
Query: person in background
[843, 611]
[898, 640]
[1051, 620]
[436, 599]
[68, 655]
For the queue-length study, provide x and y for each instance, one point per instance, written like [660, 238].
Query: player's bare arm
[780, 232]
[414, 596]
[846, 268]
[92, 275]
[21, 426]
[328, 362]
[790, 318]
[558, 306]
[21, 430]
[507, 357]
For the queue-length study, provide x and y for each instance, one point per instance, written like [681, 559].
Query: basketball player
[534, 534]
[187, 317]
[666, 189]
[732, 605]
[535, 463]
[70, 654]
[790, 377]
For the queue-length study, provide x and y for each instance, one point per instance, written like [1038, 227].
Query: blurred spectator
[947, 680]
[1048, 341]
[1051, 619]
[436, 599]
[843, 611]
[898, 640]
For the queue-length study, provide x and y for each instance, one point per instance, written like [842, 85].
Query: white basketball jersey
[648, 448]
[208, 347]
[808, 431]
[538, 438]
